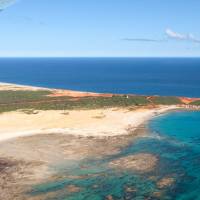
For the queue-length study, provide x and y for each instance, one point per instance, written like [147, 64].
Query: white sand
[16, 87]
[98, 123]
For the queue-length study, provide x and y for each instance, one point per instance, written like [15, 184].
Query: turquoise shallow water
[175, 141]
[181, 147]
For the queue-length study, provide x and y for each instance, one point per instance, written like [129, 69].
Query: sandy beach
[16, 87]
[96, 123]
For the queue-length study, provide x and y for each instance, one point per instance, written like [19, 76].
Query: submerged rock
[165, 182]
[141, 162]
[157, 194]
[109, 197]
[130, 190]
[73, 188]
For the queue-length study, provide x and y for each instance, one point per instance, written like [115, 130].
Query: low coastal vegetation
[9, 96]
[166, 100]
[195, 103]
[41, 100]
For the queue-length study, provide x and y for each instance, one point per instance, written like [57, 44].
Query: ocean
[149, 76]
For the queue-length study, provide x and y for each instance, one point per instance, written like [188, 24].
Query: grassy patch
[38, 100]
[22, 96]
[166, 100]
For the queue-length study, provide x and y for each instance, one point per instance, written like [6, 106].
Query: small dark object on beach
[4, 164]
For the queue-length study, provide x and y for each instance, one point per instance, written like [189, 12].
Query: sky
[103, 28]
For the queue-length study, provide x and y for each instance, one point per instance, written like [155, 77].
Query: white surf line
[25, 86]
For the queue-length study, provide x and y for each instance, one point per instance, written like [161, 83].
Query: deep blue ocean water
[150, 76]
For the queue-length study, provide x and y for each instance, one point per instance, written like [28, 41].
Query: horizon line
[99, 57]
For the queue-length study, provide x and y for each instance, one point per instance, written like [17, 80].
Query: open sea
[150, 76]
[174, 137]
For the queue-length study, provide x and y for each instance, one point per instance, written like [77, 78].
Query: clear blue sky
[100, 28]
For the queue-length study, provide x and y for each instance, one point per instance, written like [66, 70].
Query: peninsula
[42, 128]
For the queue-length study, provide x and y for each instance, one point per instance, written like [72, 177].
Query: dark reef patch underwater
[174, 140]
